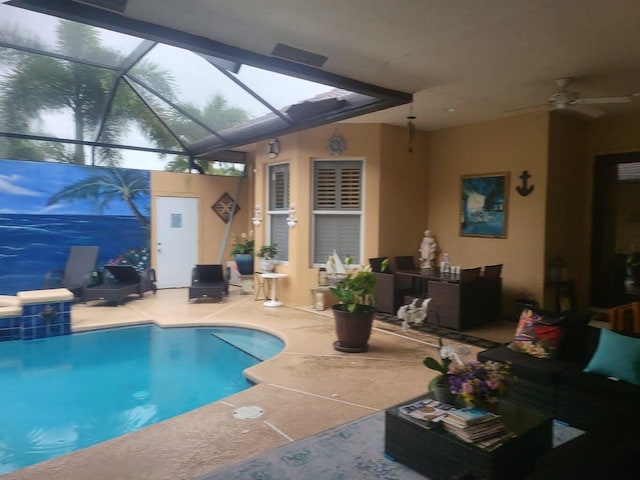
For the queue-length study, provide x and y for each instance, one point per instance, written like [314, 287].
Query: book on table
[475, 432]
[471, 415]
[430, 411]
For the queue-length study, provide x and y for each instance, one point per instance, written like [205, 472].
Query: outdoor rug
[353, 451]
[444, 333]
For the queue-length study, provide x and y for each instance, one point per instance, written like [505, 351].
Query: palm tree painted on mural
[107, 185]
[38, 85]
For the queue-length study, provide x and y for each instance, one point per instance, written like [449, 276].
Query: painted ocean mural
[45, 208]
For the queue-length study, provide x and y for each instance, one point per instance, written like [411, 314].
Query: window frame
[282, 257]
[360, 212]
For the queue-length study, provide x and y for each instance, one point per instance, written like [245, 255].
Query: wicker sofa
[560, 388]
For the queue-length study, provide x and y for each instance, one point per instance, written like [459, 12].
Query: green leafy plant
[448, 353]
[243, 244]
[356, 289]
[268, 252]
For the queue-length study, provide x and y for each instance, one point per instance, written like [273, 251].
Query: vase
[442, 394]
[244, 261]
[267, 265]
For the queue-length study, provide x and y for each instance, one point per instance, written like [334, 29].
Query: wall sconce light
[257, 216]
[273, 149]
[291, 218]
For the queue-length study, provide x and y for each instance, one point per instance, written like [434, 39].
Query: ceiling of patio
[65, 81]
[463, 61]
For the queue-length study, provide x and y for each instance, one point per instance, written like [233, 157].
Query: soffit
[485, 59]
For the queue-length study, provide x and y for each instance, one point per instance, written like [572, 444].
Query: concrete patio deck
[306, 389]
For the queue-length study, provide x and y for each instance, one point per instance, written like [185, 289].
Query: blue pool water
[61, 394]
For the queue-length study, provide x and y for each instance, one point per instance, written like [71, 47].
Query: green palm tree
[219, 115]
[39, 84]
[106, 185]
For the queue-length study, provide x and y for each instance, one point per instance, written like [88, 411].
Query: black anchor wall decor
[525, 189]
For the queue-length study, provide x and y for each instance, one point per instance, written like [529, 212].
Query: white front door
[176, 240]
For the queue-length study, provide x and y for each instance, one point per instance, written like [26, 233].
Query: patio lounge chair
[208, 281]
[124, 281]
[77, 273]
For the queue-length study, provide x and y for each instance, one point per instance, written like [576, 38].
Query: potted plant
[354, 314]
[267, 253]
[440, 385]
[242, 251]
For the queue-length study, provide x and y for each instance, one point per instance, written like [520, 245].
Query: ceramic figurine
[428, 249]
[413, 313]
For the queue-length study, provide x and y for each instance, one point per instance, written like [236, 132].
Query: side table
[260, 287]
[440, 455]
[273, 302]
[246, 284]
[317, 297]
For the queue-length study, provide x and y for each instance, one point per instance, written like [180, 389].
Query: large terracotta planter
[353, 329]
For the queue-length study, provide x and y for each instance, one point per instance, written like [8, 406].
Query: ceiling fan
[567, 100]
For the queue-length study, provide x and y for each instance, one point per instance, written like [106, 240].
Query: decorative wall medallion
[336, 144]
[223, 207]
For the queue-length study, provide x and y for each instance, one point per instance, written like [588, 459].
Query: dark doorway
[616, 229]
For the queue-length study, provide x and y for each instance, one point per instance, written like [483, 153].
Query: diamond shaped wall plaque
[223, 207]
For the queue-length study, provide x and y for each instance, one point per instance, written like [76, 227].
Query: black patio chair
[121, 281]
[78, 271]
[208, 281]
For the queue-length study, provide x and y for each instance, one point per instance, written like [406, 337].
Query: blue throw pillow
[616, 356]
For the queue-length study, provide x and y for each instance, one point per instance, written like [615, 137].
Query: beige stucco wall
[207, 189]
[406, 192]
[404, 198]
[394, 190]
[508, 145]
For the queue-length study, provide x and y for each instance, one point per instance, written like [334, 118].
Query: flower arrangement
[479, 383]
[244, 244]
[448, 354]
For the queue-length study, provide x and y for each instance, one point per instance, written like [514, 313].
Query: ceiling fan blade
[522, 109]
[597, 100]
[587, 111]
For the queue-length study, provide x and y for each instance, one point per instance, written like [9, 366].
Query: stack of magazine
[471, 424]
[430, 411]
[478, 426]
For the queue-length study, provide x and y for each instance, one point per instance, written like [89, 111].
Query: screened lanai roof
[86, 94]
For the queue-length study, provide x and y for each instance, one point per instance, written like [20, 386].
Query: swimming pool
[61, 394]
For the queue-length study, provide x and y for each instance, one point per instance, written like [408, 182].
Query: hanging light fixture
[411, 129]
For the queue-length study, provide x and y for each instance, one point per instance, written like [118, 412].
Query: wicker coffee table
[439, 455]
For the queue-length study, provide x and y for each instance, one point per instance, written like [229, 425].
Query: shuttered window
[337, 209]
[278, 209]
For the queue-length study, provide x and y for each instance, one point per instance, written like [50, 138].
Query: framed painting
[484, 202]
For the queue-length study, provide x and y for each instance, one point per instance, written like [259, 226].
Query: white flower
[447, 351]
[455, 353]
